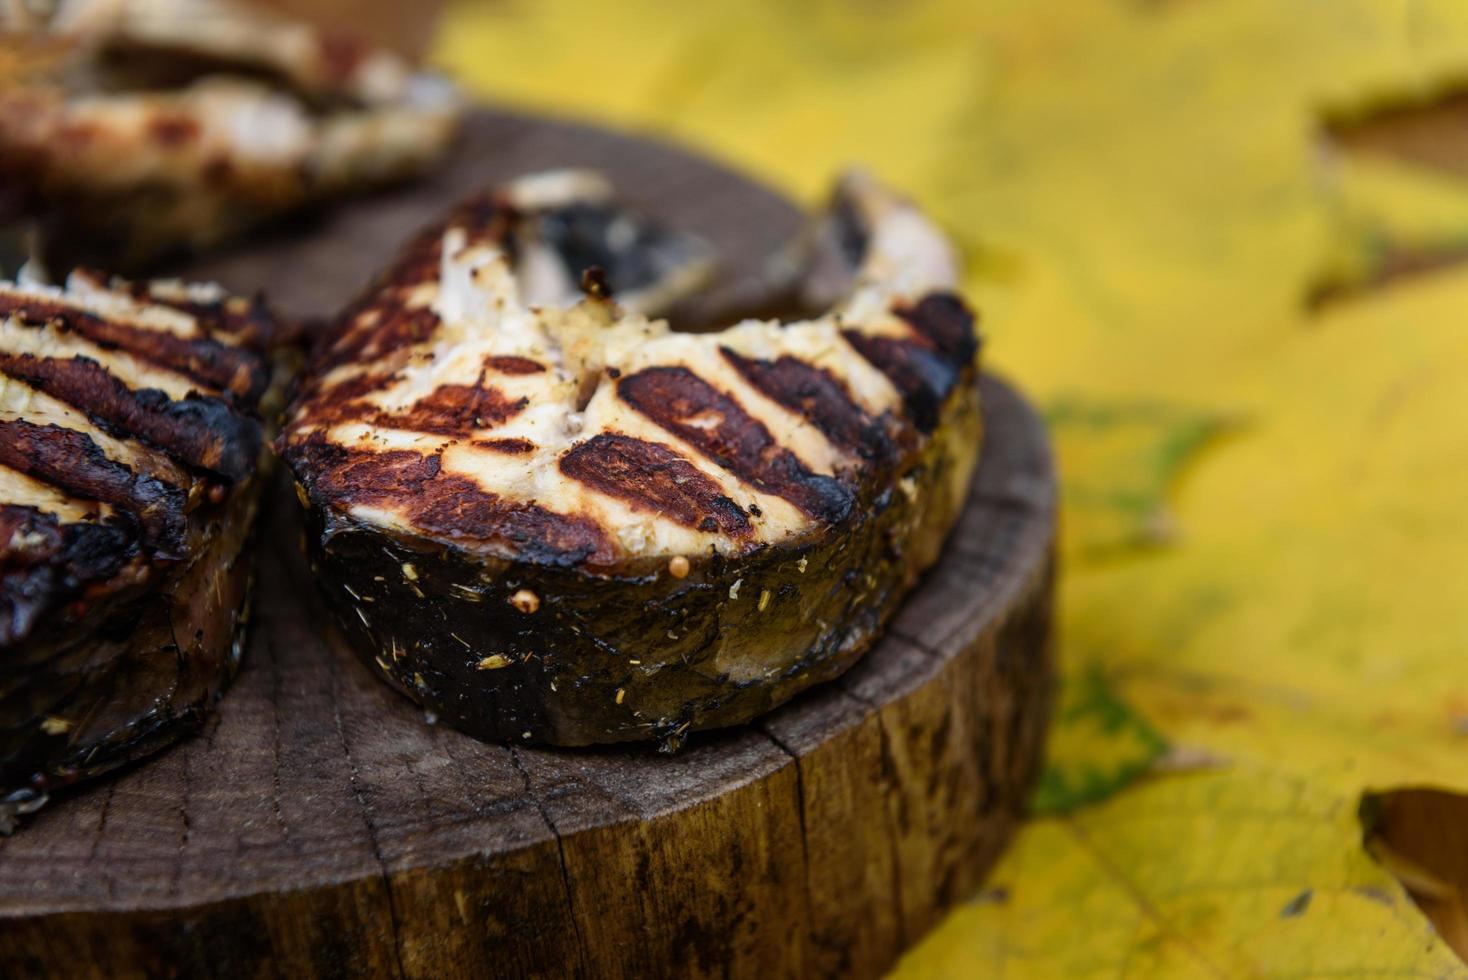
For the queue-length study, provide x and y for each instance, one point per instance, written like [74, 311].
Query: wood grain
[320, 828]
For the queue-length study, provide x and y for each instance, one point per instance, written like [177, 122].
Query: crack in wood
[916, 642]
[176, 872]
[894, 849]
[550, 824]
[273, 658]
[101, 830]
[810, 911]
[364, 811]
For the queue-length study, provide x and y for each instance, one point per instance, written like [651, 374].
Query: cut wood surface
[319, 827]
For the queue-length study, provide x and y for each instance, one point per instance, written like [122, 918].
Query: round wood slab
[319, 827]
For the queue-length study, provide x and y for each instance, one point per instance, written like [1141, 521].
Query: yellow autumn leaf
[1264, 549]
[1122, 460]
[1098, 745]
[1260, 877]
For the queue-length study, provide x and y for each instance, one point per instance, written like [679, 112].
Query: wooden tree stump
[319, 827]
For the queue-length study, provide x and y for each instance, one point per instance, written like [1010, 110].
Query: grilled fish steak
[131, 446]
[140, 127]
[549, 518]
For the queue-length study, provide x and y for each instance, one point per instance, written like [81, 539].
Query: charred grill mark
[418, 262]
[172, 129]
[505, 364]
[485, 219]
[395, 326]
[394, 329]
[458, 507]
[718, 427]
[654, 479]
[206, 361]
[920, 374]
[249, 320]
[199, 431]
[514, 447]
[44, 563]
[342, 402]
[482, 219]
[818, 397]
[945, 320]
[453, 410]
[73, 463]
[361, 385]
[445, 506]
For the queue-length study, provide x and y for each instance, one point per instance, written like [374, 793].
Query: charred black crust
[361, 385]
[513, 447]
[926, 367]
[119, 630]
[249, 320]
[818, 397]
[207, 361]
[442, 505]
[507, 364]
[612, 647]
[654, 479]
[44, 564]
[919, 373]
[98, 680]
[453, 410]
[197, 430]
[234, 450]
[718, 427]
[73, 463]
[392, 328]
[947, 323]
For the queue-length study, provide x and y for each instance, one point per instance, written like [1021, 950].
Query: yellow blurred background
[1242, 309]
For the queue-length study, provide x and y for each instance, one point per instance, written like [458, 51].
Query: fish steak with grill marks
[136, 128]
[547, 517]
[131, 447]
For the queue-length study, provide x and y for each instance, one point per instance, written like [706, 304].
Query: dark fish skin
[121, 628]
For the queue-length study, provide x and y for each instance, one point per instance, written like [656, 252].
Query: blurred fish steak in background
[134, 129]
